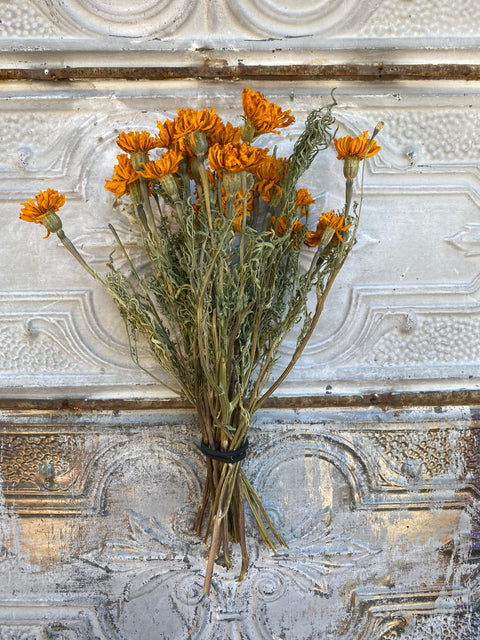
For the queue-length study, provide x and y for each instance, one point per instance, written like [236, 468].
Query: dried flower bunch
[223, 223]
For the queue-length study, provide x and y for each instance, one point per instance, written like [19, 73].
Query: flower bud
[135, 192]
[52, 222]
[232, 181]
[197, 142]
[351, 165]
[170, 186]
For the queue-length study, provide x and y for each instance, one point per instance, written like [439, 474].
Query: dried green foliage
[223, 238]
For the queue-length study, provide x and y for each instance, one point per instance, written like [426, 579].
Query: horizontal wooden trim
[216, 70]
[392, 400]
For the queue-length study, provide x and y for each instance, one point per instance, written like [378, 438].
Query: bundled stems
[223, 285]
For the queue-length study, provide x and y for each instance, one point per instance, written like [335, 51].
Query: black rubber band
[227, 457]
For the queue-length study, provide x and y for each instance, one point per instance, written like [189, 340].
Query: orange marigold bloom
[330, 219]
[355, 147]
[166, 134]
[189, 120]
[47, 202]
[262, 115]
[333, 221]
[124, 175]
[271, 175]
[136, 141]
[167, 165]
[303, 198]
[225, 134]
[280, 227]
[235, 157]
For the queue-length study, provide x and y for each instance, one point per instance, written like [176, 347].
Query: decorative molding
[57, 470]
[57, 338]
[340, 25]
[288, 19]
[348, 490]
[145, 19]
[467, 240]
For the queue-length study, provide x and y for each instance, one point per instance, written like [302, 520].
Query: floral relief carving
[156, 562]
[161, 563]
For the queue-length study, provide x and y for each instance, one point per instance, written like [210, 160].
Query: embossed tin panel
[404, 312]
[378, 509]
[379, 505]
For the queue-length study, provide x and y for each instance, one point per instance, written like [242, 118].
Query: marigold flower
[270, 173]
[235, 157]
[168, 164]
[352, 150]
[335, 222]
[123, 177]
[262, 116]
[189, 120]
[136, 141]
[47, 202]
[280, 227]
[166, 134]
[225, 134]
[348, 146]
[331, 220]
[303, 198]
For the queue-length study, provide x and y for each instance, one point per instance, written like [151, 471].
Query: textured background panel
[404, 312]
[377, 509]
[380, 506]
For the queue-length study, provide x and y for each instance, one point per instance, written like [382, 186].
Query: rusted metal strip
[390, 400]
[221, 70]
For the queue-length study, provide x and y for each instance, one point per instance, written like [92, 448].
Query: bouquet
[223, 226]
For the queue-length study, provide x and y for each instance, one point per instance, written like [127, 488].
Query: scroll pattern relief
[412, 331]
[48, 145]
[329, 489]
[376, 461]
[56, 335]
[386, 19]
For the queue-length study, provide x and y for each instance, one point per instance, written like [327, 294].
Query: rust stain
[219, 69]
[387, 400]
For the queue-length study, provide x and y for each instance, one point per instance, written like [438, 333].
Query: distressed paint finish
[368, 457]
[378, 509]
